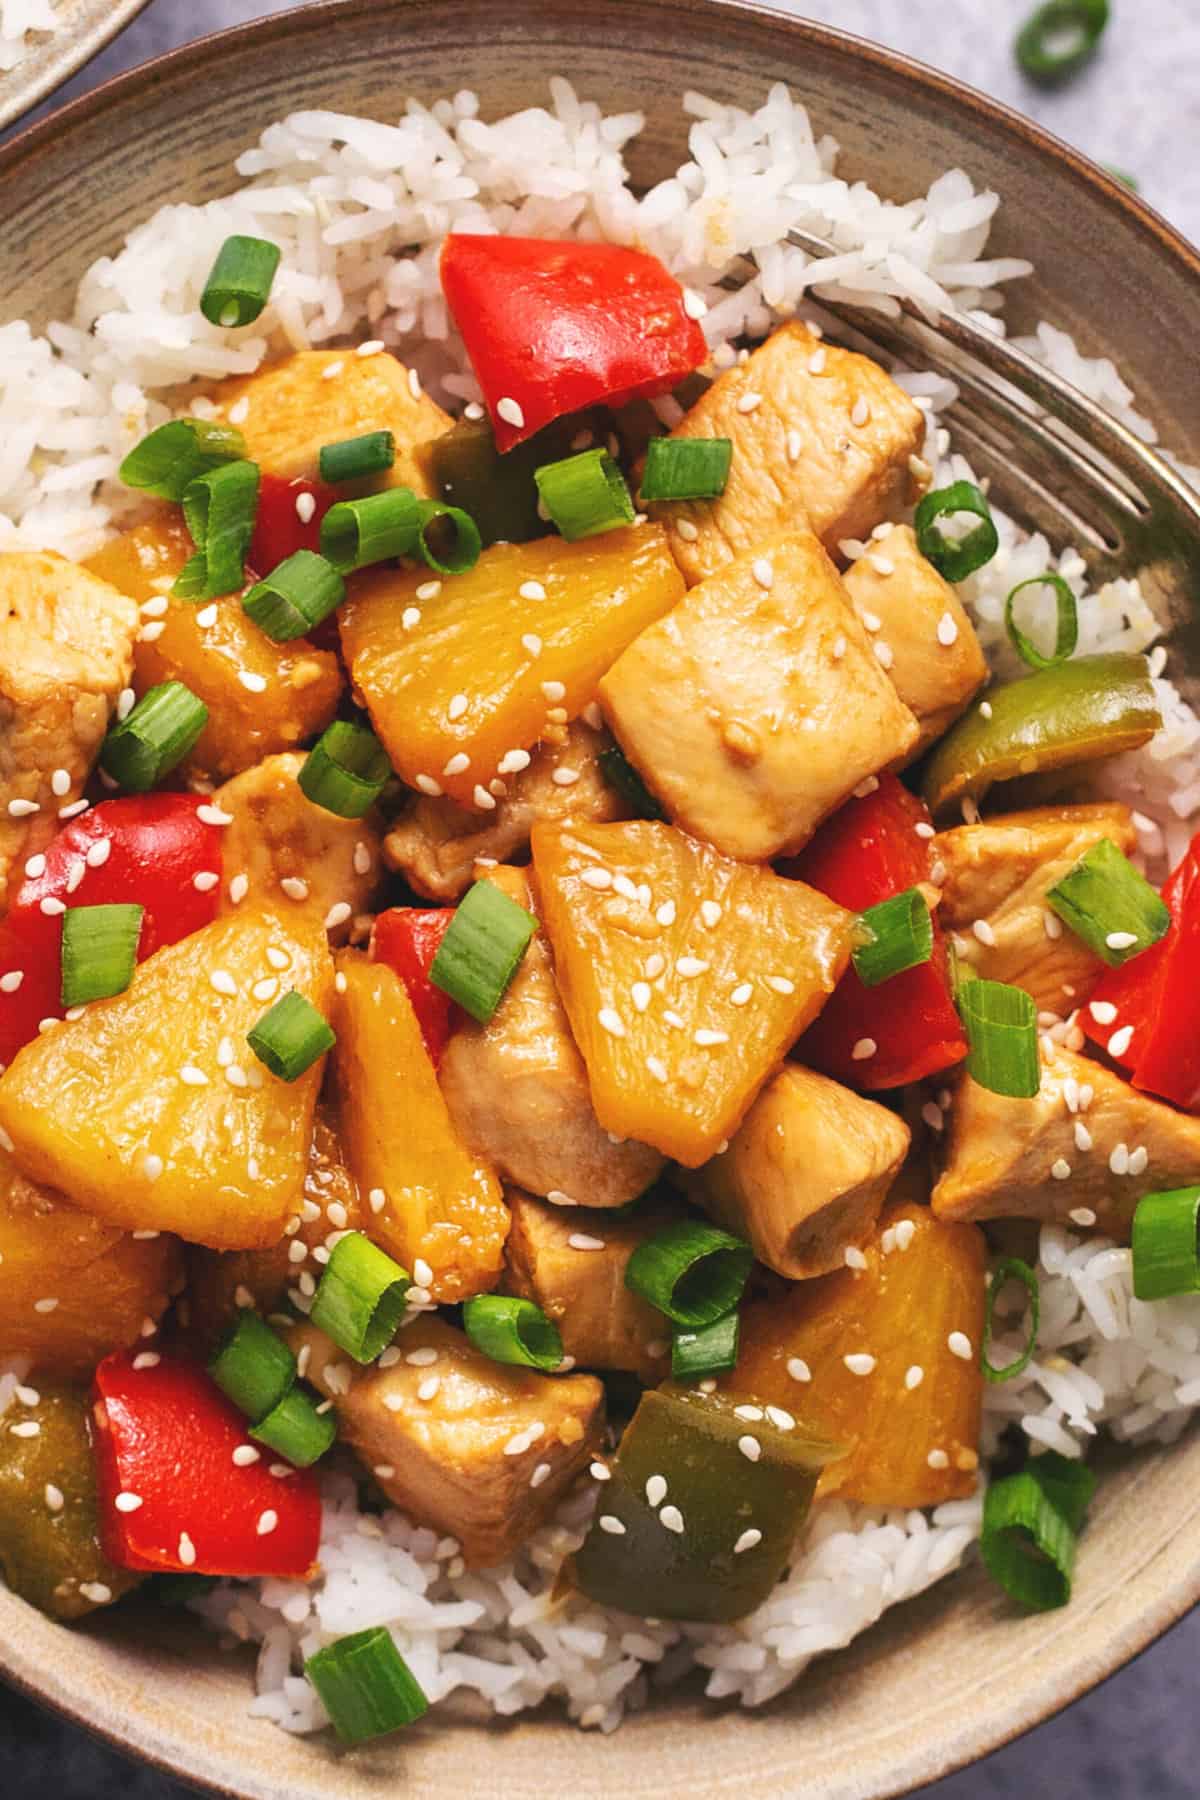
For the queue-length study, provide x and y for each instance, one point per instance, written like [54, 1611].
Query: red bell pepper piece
[554, 327]
[157, 844]
[279, 530]
[407, 938]
[869, 850]
[1156, 995]
[165, 1434]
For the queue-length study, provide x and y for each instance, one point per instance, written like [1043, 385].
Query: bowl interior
[953, 1674]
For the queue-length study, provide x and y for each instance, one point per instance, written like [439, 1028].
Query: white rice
[359, 208]
[19, 21]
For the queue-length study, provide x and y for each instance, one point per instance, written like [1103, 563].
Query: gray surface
[1138, 107]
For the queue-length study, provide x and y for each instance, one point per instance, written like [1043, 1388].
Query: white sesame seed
[687, 531]
[52, 907]
[798, 1369]
[267, 1521]
[11, 982]
[937, 1459]
[671, 1518]
[294, 887]
[642, 995]
[853, 1257]
[1083, 1137]
[427, 1389]
[611, 1021]
[864, 1048]
[414, 384]
[222, 982]
[35, 867]
[1121, 940]
[883, 653]
[1120, 1040]
[532, 590]
[54, 1497]
[882, 565]
[610, 1523]
[709, 1040]
[1061, 1169]
[947, 634]
[208, 814]
[763, 572]
[1118, 1162]
[1138, 1160]
[205, 881]
[749, 1540]
[1082, 1215]
[867, 786]
[906, 1231]
[187, 1550]
[816, 362]
[332, 370]
[959, 1344]
[206, 618]
[795, 444]
[656, 1490]
[742, 994]
[750, 1447]
[45, 1306]
[554, 691]
[688, 967]
[665, 914]
[657, 1068]
[914, 1376]
[458, 764]
[694, 304]
[150, 633]
[127, 1502]
[748, 401]
[860, 1362]
[252, 682]
[1103, 1011]
[753, 1414]
[152, 1167]
[510, 411]
[984, 932]
[563, 777]
[580, 1240]
[28, 1428]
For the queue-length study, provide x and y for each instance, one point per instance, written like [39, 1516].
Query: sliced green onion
[513, 1331]
[360, 1298]
[686, 468]
[253, 1366]
[1001, 1027]
[295, 597]
[482, 949]
[459, 542]
[691, 1271]
[167, 461]
[620, 774]
[366, 1686]
[240, 281]
[955, 559]
[373, 529]
[1031, 1523]
[1011, 1269]
[1059, 38]
[709, 1351]
[296, 1429]
[1109, 905]
[290, 1036]
[346, 770]
[585, 494]
[220, 510]
[1124, 177]
[901, 937]
[1066, 631]
[1165, 1258]
[353, 458]
[99, 951]
[156, 735]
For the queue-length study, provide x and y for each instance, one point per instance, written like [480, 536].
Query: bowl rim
[44, 68]
[31, 141]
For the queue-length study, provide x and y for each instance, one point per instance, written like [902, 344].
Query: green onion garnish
[482, 949]
[99, 951]
[1124, 177]
[1109, 905]
[353, 458]
[1001, 1027]
[585, 494]
[709, 1351]
[240, 281]
[253, 1366]
[220, 509]
[366, 1686]
[373, 529]
[346, 770]
[692, 1272]
[290, 1036]
[360, 1298]
[620, 774]
[953, 559]
[167, 461]
[156, 735]
[296, 1429]
[458, 539]
[513, 1331]
[295, 597]
[1059, 38]
[901, 937]
[1165, 1259]
[1031, 1523]
[1011, 1269]
[1066, 631]
[686, 468]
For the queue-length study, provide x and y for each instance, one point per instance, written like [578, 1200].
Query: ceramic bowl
[956, 1673]
[84, 27]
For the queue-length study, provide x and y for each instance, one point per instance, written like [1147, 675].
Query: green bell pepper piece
[498, 491]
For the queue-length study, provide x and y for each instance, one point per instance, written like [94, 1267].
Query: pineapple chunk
[211, 647]
[684, 998]
[100, 1107]
[757, 706]
[525, 637]
[922, 1288]
[428, 1198]
[103, 1283]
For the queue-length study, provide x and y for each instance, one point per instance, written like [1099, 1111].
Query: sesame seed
[410, 618]
[642, 995]
[816, 362]
[372, 347]
[610, 1523]
[853, 1257]
[267, 988]
[905, 1232]
[429, 786]
[1051, 925]
[1082, 1215]
[959, 1344]
[541, 1474]
[657, 1068]
[11, 982]
[580, 1240]
[54, 1497]
[1118, 1162]
[563, 777]
[207, 617]
[750, 1447]
[937, 1459]
[244, 1455]
[127, 1502]
[1120, 1040]
[187, 1550]
[749, 1540]
[205, 881]
[1121, 940]
[152, 1167]
[532, 590]
[742, 994]
[753, 1414]
[429, 1387]
[600, 1471]
[690, 966]
[414, 384]
[209, 814]
[223, 983]
[656, 1490]
[687, 531]
[458, 764]
[294, 887]
[306, 506]
[795, 443]
[52, 908]
[748, 401]
[860, 1362]
[96, 1591]
[332, 370]
[28, 1428]
[554, 691]
[798, 1369]
[763, 572]
[457, 707]
[1060, 1169]
[671, 1518]
[1083, 1137]
[984, 932]
[839, 648]
[665, 914]
[1138, 1160]
[509, 410]
[947, 634]
[377, 1200]
[611, 1021]
[252, 682]
[781, 1418]
[708, 1040]
[267, 1521]
[914, 1376]
[882, 565]
[883, 653]
[1103, 1011]
[694, 304]
[864, 1048]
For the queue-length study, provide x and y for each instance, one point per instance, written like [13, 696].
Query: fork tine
[1028, 499]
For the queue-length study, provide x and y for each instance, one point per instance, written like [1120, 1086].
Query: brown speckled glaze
[85, 26]
[954, 1674]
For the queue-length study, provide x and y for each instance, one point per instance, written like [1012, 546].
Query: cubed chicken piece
[1082, 1152]
[806, 1174]
[757, 705]
[476, 1449]
[287, 411]
[817, 432]
[995, 877]
[66, 651]
[283, 851]
[571, 1261]
[932, 653]
[517, 1090]
[436, 844]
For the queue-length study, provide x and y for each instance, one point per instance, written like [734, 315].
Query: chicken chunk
[436, 844]
[279, 842]
[288, 410]
[66, 652]
[571, 1261]
[517, 1090]
[455, 1439]
[757, 705]
[806, 1173]
[817, 432]
[997, 874]
[935, 661]
[1083, 1151]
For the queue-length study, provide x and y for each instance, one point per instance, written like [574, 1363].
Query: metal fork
[1058, 462]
